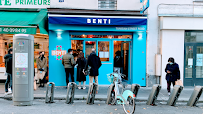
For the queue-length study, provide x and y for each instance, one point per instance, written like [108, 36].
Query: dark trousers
[8, 81]
[71, 72]
[169, 85]
[42, 81]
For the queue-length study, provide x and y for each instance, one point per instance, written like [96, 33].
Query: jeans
[8, 81]
[169, 85]
[71, 72]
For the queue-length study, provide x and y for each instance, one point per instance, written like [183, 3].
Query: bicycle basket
[110, 78]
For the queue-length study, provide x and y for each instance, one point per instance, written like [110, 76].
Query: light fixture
[139, 36]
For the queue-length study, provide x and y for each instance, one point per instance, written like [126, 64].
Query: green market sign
[24, 3]
[17, 30]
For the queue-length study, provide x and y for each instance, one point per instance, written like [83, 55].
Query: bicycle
[126, 98]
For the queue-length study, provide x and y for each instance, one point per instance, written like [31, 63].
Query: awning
[23, 22]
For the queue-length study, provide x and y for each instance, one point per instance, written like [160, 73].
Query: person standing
[95, 63]
[42, 66]
[68, 63]
[8, 64]
[81, 61]
[173, 73]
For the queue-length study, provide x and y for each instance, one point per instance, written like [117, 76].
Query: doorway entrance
[113, 50]
[193, 73]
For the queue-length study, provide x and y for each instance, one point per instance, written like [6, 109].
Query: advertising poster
[21, 60]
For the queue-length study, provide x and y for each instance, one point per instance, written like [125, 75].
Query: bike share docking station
[154, 94]
[91, 93]
[195, 96]
[174, 95]
[50, 97]
[135, 88]
[70, 92]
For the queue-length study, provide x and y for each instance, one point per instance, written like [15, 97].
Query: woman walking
[81, 61]
[173, 73]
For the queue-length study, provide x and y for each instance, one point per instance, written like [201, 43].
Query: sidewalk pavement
[143, 93]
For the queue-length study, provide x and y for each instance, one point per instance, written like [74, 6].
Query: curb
[98, 99]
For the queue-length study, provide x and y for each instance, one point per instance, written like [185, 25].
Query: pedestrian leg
[96, 81]
[67, 75]
[169, 86]
[84, 85]
[72, 74]
[6, 83]
[173, 83]
[11, 84]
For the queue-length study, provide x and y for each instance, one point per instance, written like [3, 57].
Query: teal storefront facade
[114, 33]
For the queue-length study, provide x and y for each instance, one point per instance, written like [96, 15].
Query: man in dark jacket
[8, 65]
[95, 63]
[173, 73]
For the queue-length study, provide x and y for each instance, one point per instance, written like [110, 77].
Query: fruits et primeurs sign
[24, 3]
[58, 52]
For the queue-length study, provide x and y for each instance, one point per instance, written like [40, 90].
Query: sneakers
[8, 93]
[9, 89]
[169, 93]
[84, 87]
[79, 87]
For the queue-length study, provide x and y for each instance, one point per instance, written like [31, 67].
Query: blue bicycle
[127, 98]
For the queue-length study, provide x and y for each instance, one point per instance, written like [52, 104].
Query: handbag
[87, 72]
[179, 82]
[40, 74]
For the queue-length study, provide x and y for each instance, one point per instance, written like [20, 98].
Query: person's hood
[7, 56]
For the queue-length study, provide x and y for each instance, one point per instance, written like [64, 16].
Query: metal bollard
[70, 92]
[92, 90]
[50, 98]
[135, 88]
[109, 94]
[154, 94]
[195, 96]
[174, 95]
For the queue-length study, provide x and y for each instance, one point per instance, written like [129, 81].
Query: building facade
[108, 26]
[175, 30]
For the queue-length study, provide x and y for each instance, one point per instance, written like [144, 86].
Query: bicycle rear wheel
[129, 108]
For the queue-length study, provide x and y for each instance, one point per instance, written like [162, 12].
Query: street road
[80, 107]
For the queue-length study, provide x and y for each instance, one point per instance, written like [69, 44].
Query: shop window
[77, 46]
[103, 50]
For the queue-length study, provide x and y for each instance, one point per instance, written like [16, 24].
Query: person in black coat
[8, 65]
[81, 61]
[173, 73]
[95, 63]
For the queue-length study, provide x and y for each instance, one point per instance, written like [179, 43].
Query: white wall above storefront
[180, 10]
[25, 3]
[183, 23]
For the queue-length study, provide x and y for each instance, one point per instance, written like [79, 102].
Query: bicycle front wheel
[129, 107]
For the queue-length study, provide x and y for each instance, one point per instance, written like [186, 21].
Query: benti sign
[58, 52]
[24, 3]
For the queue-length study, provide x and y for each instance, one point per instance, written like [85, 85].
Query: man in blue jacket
[173, 73]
